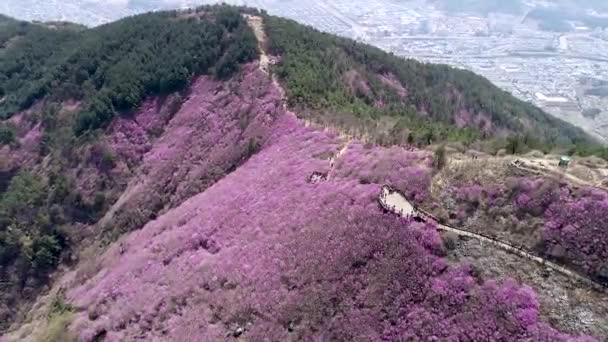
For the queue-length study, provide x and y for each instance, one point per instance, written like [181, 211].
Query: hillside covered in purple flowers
[233, 194]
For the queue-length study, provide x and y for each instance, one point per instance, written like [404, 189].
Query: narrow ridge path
[256, 23]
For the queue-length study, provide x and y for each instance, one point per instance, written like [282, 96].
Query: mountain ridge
[185, 191]
[439, 91]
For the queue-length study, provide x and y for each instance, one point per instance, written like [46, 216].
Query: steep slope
[177, 182]
[8, 30]
[59, 177]
[219, 125]
[113, 67]
[163, 156]
[266, 253]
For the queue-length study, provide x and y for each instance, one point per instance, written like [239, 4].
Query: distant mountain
[560, 19]
[215, 173]
[481, 6]
[5, 19]
[597, 5]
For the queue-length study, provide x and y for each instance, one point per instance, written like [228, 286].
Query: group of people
[393, 208]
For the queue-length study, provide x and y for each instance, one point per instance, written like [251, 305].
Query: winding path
[394, 201]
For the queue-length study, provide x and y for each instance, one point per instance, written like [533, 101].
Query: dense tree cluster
[113, 67]
[7, 134]
[26, 64]
[33, 217]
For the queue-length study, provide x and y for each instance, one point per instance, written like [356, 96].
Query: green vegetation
[59, 318]
[26, 62]
[7, 134]
[558, 19]
[340, 81]
[9, 28]
[57, 329]
[34, 215]
[586, 150]
[334, 80]
[110, 70]
[29, 236]
[59, 305]
[440, 158]
[113, 67]
[31, 241]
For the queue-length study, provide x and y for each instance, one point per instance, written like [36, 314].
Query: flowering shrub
[461, 310]
[529, 196]
[569, 225]
[218, 127]
[471, 193]
[266, 255]
[576, 231]
[405, 170]
[131, 137]
[534, 196]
